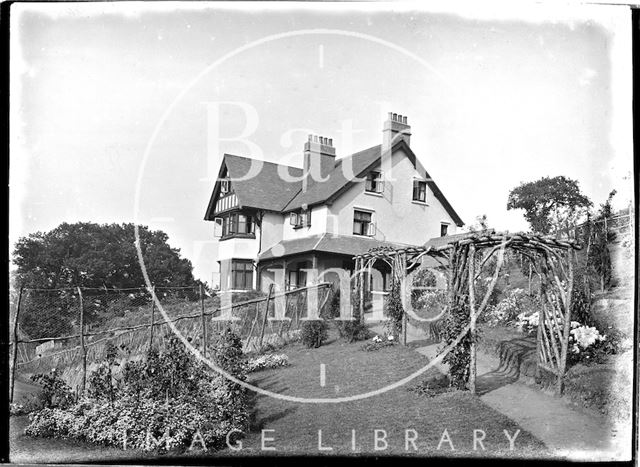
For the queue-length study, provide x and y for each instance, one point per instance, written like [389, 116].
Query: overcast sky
[111, 99]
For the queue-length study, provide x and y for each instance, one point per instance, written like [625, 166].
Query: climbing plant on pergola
[465, 260]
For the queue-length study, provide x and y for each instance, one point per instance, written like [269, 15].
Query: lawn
[350, 371]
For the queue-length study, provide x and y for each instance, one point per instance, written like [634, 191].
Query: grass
[350, 371]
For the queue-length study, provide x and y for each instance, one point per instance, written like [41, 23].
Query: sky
[120, 112]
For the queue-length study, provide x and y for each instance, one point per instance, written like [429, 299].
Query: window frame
[365, 229]
[374, 185]
[246, 270]
[300, 219]
[446, 228]
[421, 187]
[231, 225]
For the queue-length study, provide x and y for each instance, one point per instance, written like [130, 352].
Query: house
[280, 223]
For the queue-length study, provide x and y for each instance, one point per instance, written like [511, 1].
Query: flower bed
[377, 343]
[263, 362]
[161, 404]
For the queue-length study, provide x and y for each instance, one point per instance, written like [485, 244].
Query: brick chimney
[319, 158]
[394, 130]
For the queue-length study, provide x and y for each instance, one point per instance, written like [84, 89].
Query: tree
[91, 255]
[550, 203]
[96, 257]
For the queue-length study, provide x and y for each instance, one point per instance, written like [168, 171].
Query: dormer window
[374, 183]
[300, 219]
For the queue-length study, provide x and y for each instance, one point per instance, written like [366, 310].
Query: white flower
[390, 338]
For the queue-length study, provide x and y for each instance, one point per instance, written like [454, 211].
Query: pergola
[465, 258]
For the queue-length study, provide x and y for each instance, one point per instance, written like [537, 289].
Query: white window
[374, 182]
[363, 224]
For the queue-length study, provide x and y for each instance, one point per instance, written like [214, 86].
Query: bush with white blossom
[263, 362]
[515, 305]
[583, 337]
[378, 342]
[528, 323]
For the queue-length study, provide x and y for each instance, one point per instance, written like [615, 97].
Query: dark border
[5, 8]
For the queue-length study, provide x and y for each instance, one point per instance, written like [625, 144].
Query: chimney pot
[394, 128]
[330, 141]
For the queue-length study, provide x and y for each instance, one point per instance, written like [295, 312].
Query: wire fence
[70, 329]
[620, 223]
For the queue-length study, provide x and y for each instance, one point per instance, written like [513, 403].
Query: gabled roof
[320, 192]
[329, 243]
[267, 190]
[362, 162]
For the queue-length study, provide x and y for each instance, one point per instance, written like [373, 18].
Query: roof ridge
[262, 160]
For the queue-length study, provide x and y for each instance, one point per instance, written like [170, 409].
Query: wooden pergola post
[360, 267]
[472, 319]
[562, 367]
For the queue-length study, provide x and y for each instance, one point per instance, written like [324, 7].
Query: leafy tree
[92, 255]
[550, 203]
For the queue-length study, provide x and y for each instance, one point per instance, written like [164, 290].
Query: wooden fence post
[472, 321]
[204, 323]
[153, 315]
[82, 346]
[15, 344]
[266, 314]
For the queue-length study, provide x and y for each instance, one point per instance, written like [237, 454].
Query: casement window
[362, 223]
[374, 183]
[300, 219]
[241, 274]
[444, 228]
[420, 191]
[234, 224]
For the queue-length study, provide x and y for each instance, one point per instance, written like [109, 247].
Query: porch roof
[326, 243]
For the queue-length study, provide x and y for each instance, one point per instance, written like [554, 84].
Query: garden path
[566, 430]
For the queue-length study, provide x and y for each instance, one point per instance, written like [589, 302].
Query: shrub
[169, 397]
[101, 384]
[528, 323]
[433, 386]
[394, 309]
[588, 345]
[515, 303]
[377, 343]
[263, 362]
[353, 331]
[55, 392]
[314, 333]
